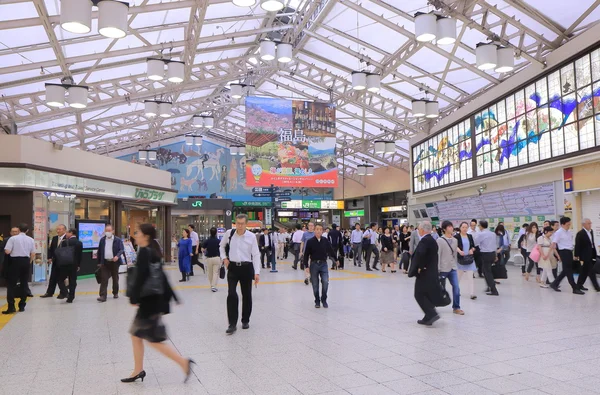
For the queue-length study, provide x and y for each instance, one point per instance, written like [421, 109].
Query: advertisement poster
[290, 143]
[90, 234]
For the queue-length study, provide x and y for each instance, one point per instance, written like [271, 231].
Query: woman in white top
[547, 254]
[530, 240]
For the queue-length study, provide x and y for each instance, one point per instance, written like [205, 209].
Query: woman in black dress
[404, 247]
[152, 305]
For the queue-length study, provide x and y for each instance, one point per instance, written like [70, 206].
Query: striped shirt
[20, 246]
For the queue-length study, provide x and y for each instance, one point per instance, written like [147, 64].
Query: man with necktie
[586, 253]
[265, 244]
[562, 241]
[56, 242]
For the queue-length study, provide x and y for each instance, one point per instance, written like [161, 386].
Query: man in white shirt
[372, 235]
[21, 249]
[296, 242]
[473, 227]
[195, 249]
[356, 240]
[562, 241]
[241, 256]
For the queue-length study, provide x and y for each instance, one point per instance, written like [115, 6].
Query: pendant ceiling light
[197, 141]
[362, 170]
[267, 50]
[373, 82]
[142, 154]
[419, 108]
[76, 16]
[203, 121]
[150, 108]
[446, 30]
[284, 52]
[390, 147]
[506, 60]
[55, 95]
[189, 140]
[236, 90]
[486, 55]
[147, 154]
[370, 170]
[152, 154]
[359, 80]
[250, 90]
[197, 121]
[155, 69]
[425, 26]
[175, 71]
[209, 121]
[233, 150]
[379, 146]
[244, 3]
[432, 109]
[241, 150]
[78, 96]
[112, 18]
[272, 5]
[164, 109]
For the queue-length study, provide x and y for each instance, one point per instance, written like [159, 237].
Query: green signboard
[492, 220]
[541, 218]
[311, 204]
[516, 219]
[354, 213]
[501, 220]
[528, 218]
[251, 204]
[197, 204]
[148, 194]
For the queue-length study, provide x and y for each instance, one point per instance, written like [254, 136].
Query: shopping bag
[534, 255]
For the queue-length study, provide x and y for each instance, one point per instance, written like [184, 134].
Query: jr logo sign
[148, 194]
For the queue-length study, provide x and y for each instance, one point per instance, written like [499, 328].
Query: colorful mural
[210, 169]
[555, 115]
[444, 158]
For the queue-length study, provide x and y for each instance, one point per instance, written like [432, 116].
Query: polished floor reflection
[527, 341]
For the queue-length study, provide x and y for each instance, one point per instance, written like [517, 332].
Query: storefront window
[94, 209]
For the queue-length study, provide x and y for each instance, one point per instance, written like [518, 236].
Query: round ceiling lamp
[379, 146]
[390, 147]
[236, 90]
[151, 154]
[233, 150]
[370, 170]
[446, 30]
[175, 71]
[425, 26]
[373, 82]
[155, 69]
[76, 16]
[143, 154]
[432, 109]
[197, 121]
[244, 3]
[272, 5]
[359, 80]
[189, 140]
[197, 141]
[284, 52]
[506, 60]
[267, 50]
[150, 108]
[112, 18]
[164, 109]
[419, 108]
[486, 55]
[55, 95]
[209, 121]
[241, 150]
[78, 96]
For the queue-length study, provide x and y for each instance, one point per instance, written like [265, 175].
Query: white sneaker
[544, 286]
[214, 289]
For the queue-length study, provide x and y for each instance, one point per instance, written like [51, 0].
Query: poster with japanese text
[290, 143]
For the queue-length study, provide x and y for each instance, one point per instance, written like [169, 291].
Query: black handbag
[222, 272]
[154, 284]
[98, 274]
[65, 256]
[351, 254]
[443, 297]
[465, 260]
[597, 267]
[499, 271]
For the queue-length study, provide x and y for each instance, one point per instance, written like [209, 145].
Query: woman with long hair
[387, 251]
[152, 294]
[466, 261]
[530, 240]
[185, 255]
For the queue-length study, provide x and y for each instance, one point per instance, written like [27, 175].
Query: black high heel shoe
[189, 372]
[140, 375]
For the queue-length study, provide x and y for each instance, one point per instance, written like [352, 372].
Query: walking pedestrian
[185, 255]
[318, 248]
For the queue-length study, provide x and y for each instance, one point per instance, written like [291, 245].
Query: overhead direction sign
[263, 190]
[282, 199]
[261, 195]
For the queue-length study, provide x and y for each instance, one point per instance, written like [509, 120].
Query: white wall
[23, 149]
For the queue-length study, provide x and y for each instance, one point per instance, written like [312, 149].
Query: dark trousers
[319, 269]
[424, 284]
[243, 274]
[525, 260]
[566, 257]
[109, 269]
[531, 265]
[478, 263]
[333, 261]
[296, 252]
[195, 261]
[18, 273]
[372, 250]
[70, 272]
[53, 282]
[488, 259]
[587, 270]
[286, 250]
[265, 252]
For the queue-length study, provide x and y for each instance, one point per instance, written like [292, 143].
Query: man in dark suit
[265, 244]
[586, 253]
[110, 250]
[425, 257]
[70, 271]
[335, 238]
[57, 240]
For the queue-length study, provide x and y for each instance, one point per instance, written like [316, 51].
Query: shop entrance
[202, 222]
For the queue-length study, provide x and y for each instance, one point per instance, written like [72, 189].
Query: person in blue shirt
[309, 234]
[185, 255]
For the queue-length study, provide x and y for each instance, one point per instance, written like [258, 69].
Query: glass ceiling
[331, 38]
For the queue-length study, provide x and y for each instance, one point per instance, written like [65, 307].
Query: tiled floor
[527, 341]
